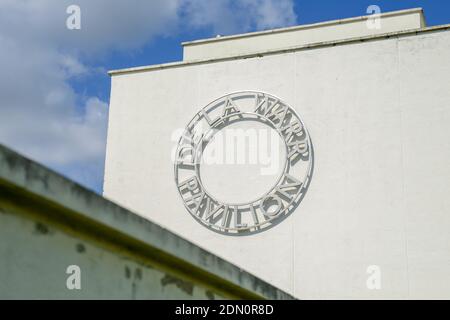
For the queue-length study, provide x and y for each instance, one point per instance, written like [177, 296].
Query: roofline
[316, 45]
[299, 27]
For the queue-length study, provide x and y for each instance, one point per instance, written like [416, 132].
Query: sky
[54, 86]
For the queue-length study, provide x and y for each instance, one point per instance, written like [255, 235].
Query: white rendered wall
[251, 43]
[378, 114]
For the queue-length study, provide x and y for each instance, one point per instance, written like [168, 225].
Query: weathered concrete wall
[35, 257]
[48, 223]
[377, 110]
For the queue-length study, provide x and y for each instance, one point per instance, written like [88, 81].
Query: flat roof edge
[300, 27]
[411, 32]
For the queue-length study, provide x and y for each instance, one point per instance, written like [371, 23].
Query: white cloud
[228, 16]
[41, 115]
[273, 14]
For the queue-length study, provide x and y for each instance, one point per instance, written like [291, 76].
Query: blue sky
[54, 85]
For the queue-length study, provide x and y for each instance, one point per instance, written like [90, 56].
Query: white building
[373, 218]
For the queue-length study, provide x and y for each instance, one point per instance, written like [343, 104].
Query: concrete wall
[377, 112]
[48, 223]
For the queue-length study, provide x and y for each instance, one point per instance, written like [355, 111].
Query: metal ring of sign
[228, 218]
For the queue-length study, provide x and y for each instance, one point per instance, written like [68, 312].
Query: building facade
[370, 101]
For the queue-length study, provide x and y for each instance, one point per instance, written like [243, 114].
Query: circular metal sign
[277, 202]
